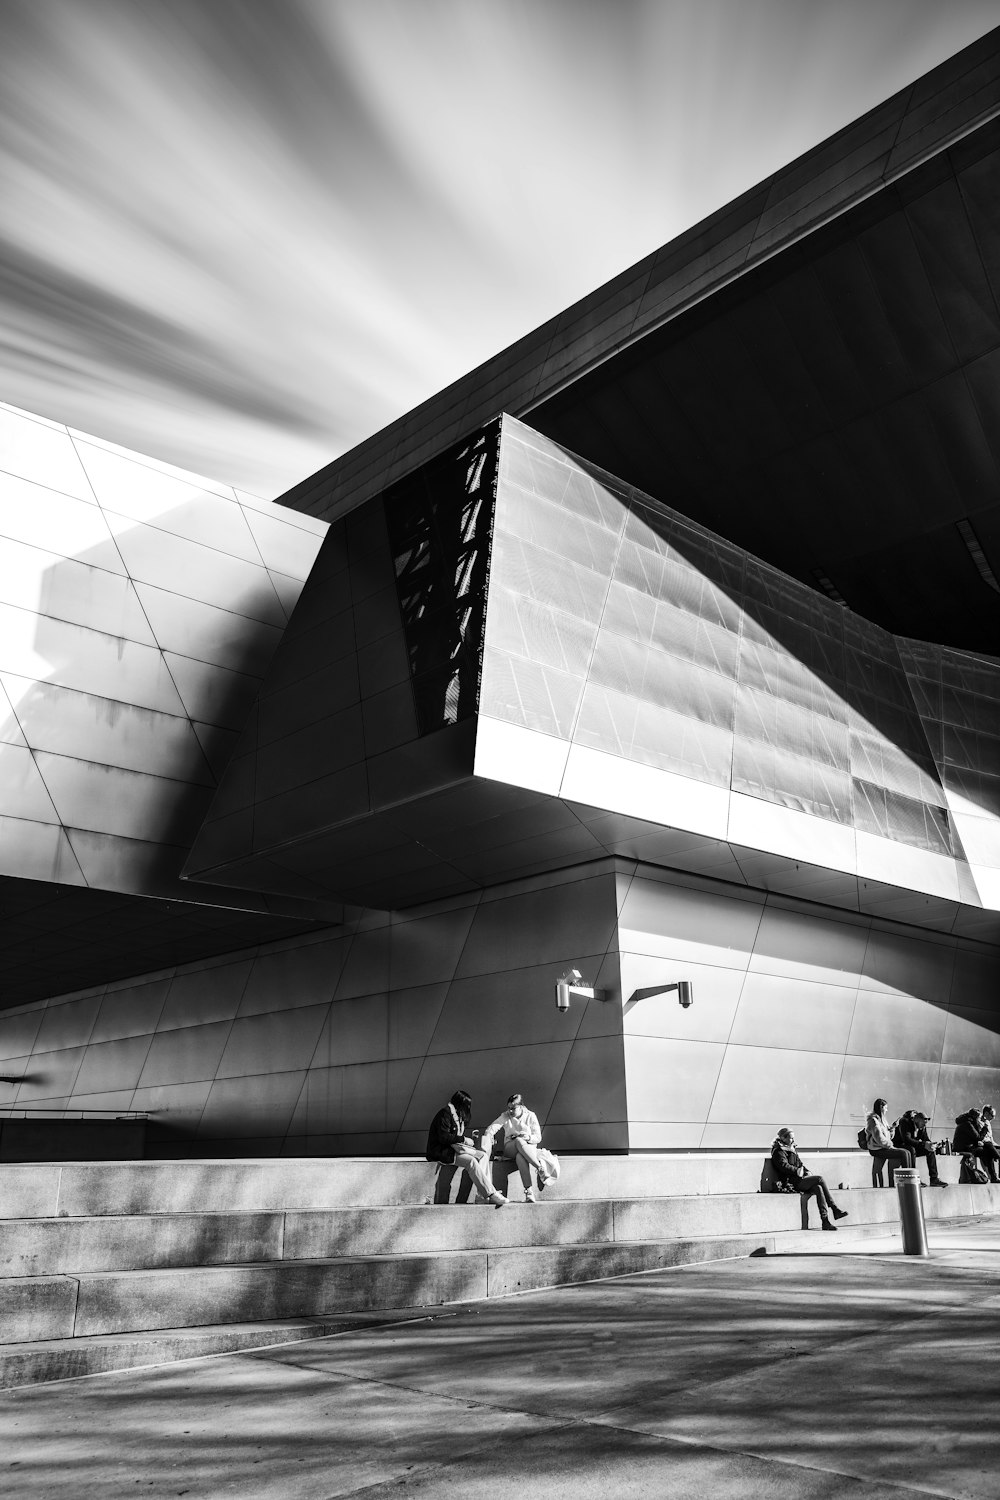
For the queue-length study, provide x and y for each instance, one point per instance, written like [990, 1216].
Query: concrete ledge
[87, 1189]
[70, 1359]
[39, 1247]
[143, 1300]
[37, 1307]
[50, 1247]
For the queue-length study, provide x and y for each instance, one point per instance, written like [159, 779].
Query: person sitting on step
[448, 1142]
[986, 1118]
[788, 1167]
[911, 1135]
[880, 1147]
[521, 1135]
[974, 1138]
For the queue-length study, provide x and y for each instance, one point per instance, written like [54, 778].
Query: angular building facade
[662, 647]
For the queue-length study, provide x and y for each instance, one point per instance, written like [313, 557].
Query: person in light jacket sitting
[879, 1138]
[521, 1136]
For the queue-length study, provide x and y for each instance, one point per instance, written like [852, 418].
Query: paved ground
[847, 1374]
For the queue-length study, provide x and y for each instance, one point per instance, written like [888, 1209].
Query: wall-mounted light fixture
[684, 988]
[573, 983]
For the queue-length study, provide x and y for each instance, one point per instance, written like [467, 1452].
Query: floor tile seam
[875, 1480]
[660, 1439]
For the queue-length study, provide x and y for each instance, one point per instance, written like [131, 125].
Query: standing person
[911, 1134]
[449, 1143]
[521, 1136]
[788, 1167]
[974, 1138]
[879, 1140]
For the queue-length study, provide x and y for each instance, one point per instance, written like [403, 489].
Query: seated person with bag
[879, 1141]
[789, 1168]
[974, 1143]
[448, 1142]
[911, 1135]
[521, 1135]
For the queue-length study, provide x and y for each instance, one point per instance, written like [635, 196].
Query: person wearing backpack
[790, 1170]
[879, 1140]
[911, 1134]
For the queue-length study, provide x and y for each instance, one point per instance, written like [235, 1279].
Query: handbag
[550, 1164]
[972, 1172]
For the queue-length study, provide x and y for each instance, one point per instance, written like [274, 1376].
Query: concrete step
[53, 1247]
[34, 1360]
[85, 1189]
[68, 1359]
[494, 1256]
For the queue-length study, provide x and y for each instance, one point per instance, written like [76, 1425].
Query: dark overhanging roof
[864, 501]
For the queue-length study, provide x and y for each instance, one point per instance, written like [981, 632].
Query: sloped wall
[801, 1017]
[139, 606]
[346, 1043]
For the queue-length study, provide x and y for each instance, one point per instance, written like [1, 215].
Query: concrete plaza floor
[850, 1373]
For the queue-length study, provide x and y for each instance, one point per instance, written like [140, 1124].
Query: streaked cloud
[240, 235]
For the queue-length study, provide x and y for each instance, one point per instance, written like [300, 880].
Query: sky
[242, 235]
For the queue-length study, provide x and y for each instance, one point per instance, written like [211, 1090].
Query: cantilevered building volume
[662, 647]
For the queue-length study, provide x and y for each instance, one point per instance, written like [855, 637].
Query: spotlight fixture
[684, 988]
[573, 983]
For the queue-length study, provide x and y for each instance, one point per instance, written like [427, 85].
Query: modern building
[662, 647]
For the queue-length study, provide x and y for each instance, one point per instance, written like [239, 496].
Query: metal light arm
[684, 988]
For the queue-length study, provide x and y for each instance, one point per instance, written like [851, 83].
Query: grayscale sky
[241, 235]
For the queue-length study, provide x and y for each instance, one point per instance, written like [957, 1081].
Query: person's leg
[442, 1183]
[814, 1187]
[991, 1161]
[527, 1157]
[896, 1157]
[477, 1164]
[512, 1154]
[838, 1213]
[930, 1155]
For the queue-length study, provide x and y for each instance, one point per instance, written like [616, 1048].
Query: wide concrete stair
[118, 1264]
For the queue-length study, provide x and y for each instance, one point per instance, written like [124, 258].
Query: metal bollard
[911, 1211]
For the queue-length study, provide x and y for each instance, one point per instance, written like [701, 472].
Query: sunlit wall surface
[800, 1018]
[637, 663]
[139, 606]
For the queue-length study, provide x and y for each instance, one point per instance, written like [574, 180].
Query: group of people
[451, 1143]
[899, 1144]
[902, 1143]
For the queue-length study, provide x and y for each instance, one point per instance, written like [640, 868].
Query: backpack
[769, 1180]
[863, 1138]
[972, 1172]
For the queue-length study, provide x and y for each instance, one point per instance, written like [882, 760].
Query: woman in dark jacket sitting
[449, 1144]
[788, 1168]
[973, 1138]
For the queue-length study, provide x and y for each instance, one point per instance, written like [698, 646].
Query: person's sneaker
[499, 1201]
[828, 1225]
[839, 1213]
[936, 1182]
[529, 1196]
